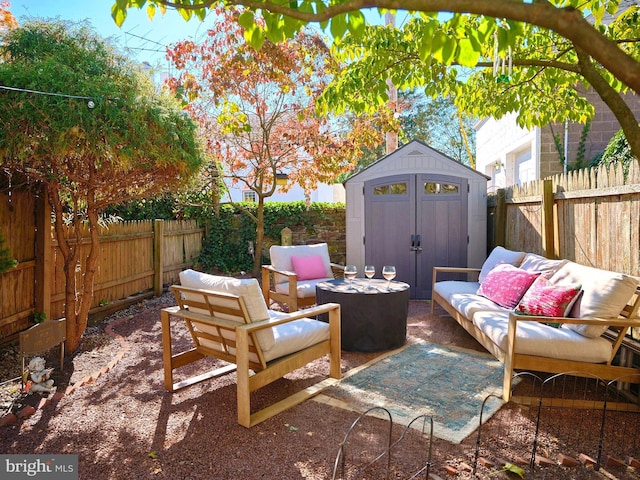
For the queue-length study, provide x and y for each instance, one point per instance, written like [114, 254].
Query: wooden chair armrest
[290, 317]
[611, 322]
[254, 326]
[337, 270]
[456, 270]
[437, 270]
[272, 269]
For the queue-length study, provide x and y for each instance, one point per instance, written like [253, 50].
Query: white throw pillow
[498, 256]
[539, 264]
[604, 294]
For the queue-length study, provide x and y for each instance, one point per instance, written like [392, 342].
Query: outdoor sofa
[540, 315]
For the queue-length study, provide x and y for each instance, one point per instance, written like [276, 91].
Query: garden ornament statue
[40, 375]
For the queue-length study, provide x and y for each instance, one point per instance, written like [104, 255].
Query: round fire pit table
[373, 318]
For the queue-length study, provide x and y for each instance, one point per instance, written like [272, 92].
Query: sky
[145, 39]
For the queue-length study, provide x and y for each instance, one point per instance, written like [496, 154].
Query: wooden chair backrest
[212, 319]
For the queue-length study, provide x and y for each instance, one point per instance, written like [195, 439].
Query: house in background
[322, 193]
[511, 155]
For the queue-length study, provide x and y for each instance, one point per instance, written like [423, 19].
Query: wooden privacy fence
[135, 257]
[589, 216]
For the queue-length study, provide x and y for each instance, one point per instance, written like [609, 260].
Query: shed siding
[417, 158]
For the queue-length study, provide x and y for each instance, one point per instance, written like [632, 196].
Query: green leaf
[151, 11]
[338, 26]
[185, 14]
[467, 54]
[510, 467]
[118, 14]
[246, 19]
[357, 23]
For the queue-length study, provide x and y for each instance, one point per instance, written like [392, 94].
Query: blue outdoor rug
[447, 383]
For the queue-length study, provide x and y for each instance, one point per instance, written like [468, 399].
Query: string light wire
[90, 100]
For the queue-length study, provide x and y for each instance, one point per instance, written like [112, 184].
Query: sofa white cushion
[447, 288]
[538, 264]
[294, 336]
[604, 294]
[305, 289]
[535, 338]
[497, 256]
[248, 289]
[463, 297]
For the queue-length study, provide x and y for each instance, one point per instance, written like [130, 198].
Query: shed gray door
[416, 222]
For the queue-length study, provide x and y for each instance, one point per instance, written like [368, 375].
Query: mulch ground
[123, 424]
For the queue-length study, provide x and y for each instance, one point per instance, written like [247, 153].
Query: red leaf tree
[257, 110]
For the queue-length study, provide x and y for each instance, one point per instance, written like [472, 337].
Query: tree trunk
[77, 303]
[257, 261]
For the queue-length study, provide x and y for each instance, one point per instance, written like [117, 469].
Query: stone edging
[54, 397]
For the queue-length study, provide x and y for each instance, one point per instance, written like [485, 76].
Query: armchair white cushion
[281, 283]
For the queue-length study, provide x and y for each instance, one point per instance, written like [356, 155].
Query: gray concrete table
[373, 318]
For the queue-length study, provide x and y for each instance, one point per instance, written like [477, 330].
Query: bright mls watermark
[50, 467]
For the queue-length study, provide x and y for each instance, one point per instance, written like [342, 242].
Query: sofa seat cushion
[604, 294]
[449, 287]
[462, 296]
[538, 339]
[305, 289]
[294, 336]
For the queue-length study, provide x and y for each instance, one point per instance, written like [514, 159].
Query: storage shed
[416, 208]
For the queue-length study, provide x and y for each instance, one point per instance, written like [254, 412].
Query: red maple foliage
[257, 109]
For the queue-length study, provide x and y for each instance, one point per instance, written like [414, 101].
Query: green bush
[618, 151]
[226, 245]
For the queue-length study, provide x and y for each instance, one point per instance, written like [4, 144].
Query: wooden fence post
[501, 217]
[158, 273]
[548, 231]
[44, 261]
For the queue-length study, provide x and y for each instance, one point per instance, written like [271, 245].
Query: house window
[391, 189]
[249, 196]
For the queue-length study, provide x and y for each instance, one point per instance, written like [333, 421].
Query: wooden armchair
[295, 285]
[229, 320]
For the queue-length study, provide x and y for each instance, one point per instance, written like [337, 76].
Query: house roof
[406, 146]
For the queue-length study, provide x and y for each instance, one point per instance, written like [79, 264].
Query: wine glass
[350, 272]
[369, 272]
[389, 273]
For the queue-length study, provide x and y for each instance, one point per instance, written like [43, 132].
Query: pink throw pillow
[547, 299]
[506, 284]
[309, 268]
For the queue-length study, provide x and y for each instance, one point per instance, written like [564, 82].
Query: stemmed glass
[389, 273]
[369, 272]
[350, 272]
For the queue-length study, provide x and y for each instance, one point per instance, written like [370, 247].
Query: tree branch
[567, 22]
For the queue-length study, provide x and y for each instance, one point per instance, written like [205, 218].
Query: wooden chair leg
[167, 357]
[335, 354]
[242, 372]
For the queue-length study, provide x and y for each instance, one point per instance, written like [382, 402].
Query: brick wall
[603, 126]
